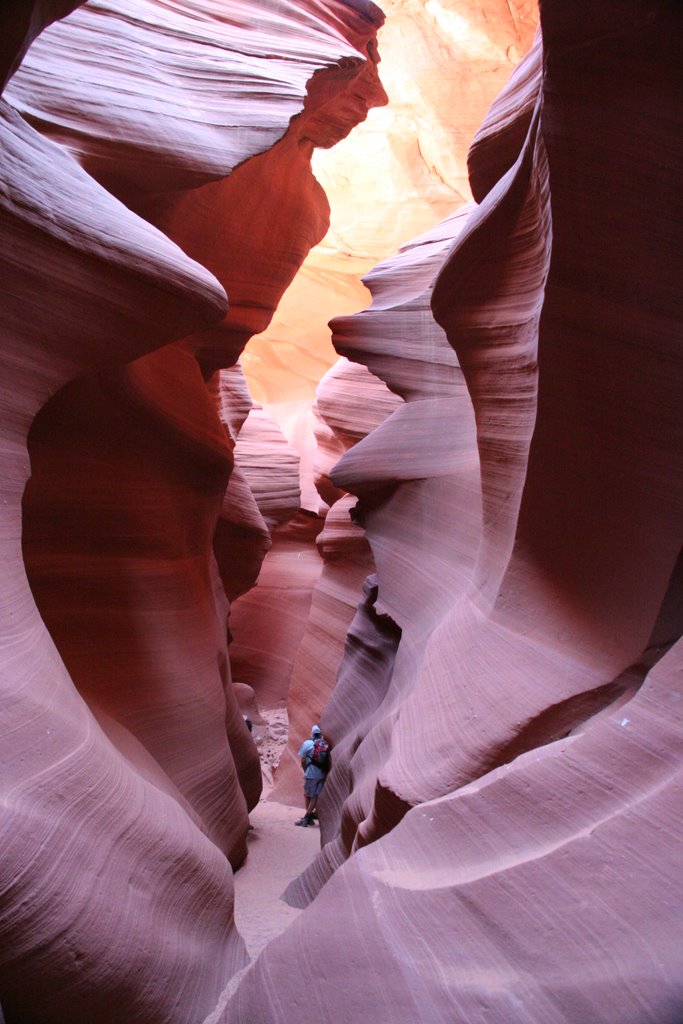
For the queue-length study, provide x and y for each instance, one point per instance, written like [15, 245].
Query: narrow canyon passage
[340, 383]
[277, 854]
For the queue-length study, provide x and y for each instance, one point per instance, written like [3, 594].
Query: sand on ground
[278, 852]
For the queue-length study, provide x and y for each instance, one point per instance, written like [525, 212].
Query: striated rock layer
[351, 402]
[502, 824]
[417, 477]
[504, 815]
[101, 851]
[127, 769]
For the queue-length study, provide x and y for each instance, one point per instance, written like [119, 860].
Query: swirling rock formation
[241, 536]
[129, 773]
[508, 804]
[351, 402]
[503, 819]
[403, 169]
[101, 851]
[421, 458]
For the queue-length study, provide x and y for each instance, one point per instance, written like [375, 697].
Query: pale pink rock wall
[513, 807]
[241, 537]
[267, 624]
[129, 771]
[83, 801]
[417, 476]
[523, 507]
[351, 402]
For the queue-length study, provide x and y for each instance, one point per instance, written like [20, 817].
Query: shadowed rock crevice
[118, 556]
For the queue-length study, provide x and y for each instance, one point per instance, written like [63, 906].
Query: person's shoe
[304, 822]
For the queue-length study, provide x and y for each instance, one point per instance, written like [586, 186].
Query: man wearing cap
[314, 774]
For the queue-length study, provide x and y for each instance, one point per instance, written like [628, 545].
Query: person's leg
[309, 795]
[313, 802]
[312, 790]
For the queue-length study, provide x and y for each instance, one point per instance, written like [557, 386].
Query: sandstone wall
[503, 820]
[127, 769]
[501, 828]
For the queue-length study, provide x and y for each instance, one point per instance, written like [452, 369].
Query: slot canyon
[341, 383]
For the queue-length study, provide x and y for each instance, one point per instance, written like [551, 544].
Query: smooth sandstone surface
[473, 581]
[130, 772]
[403, 170]
[418, 467]
[503, 819]
[88, 813]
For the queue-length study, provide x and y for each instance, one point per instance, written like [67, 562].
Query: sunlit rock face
[127, 769]
[503, 824]
[404, 169]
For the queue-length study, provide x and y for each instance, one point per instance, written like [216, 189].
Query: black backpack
[320, 755]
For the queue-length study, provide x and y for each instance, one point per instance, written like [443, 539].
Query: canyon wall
[140, 147]
[400, 172]
[488, 622]
[502, 820]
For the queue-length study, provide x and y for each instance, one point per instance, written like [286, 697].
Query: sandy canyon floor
[278, 852]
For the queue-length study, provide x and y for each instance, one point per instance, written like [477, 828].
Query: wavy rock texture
[140, 136]
[403, 170]
[130, 772]
[101, 851]
[271, 467]
[351, 402]
[22, 21]
[515, 898]
[288, 633]
[511, 799]
[241, 537]
[421, 459]
[502, 823]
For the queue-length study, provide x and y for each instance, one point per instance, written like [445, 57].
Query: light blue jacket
[311, 771]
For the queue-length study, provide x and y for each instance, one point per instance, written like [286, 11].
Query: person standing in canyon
[315, 761]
